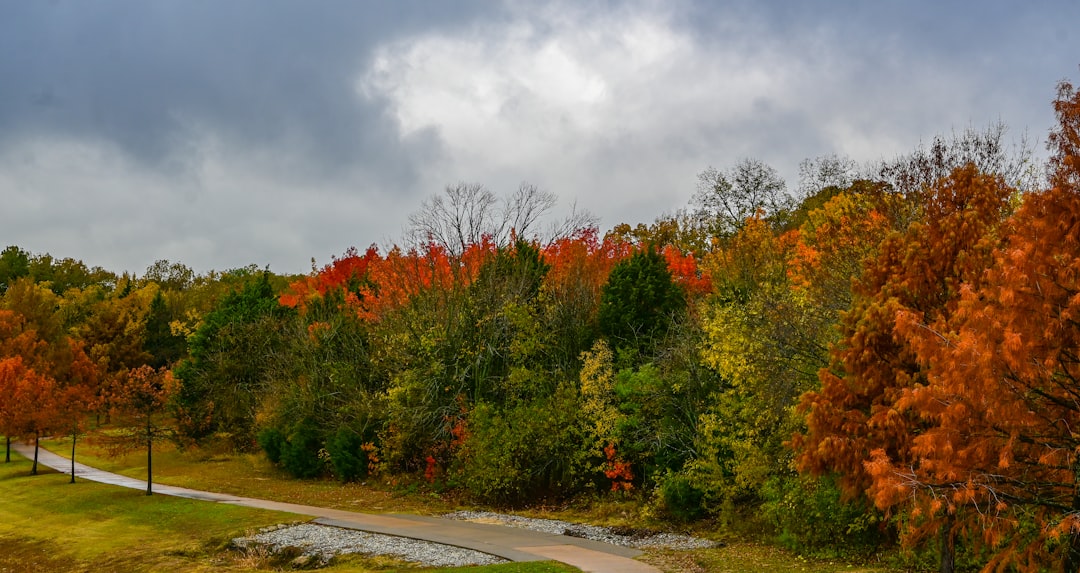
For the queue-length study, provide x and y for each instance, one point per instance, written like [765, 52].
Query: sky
[270, 132]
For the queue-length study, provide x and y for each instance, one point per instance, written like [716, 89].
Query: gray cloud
[221, 134]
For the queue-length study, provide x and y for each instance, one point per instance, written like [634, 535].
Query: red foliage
[431, 471]
[617, 470]
[686, 272]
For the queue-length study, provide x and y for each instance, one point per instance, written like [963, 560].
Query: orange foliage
[858, 409]
[617, 470]
[370, 285]
[29, 399]
[347, 272]
[686, 272]
[996, 454]
[584, 260]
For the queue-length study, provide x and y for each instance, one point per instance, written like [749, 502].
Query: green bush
[300, 456]
[272, 441]
[810, 516]
[681, 499]
[526, 451]
[350, 462]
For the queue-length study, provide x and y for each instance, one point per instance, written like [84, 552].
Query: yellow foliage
[598, 391]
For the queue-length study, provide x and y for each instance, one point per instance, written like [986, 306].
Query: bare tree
[525, 207]
[726, 199]
[826, 171]
[457, 219]
[467, 214]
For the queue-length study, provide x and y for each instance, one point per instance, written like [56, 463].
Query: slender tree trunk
[7, 455]
[33, 469]
[149, 458]
[948, 546]
[74, 436]
[1070, 561]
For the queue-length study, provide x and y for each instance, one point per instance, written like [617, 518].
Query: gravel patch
[615, 536]
[320, 543]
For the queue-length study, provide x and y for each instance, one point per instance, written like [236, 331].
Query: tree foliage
[996, 458]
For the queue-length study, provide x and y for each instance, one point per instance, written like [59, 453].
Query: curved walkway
[510, 543]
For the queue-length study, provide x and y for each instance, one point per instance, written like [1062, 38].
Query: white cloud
[622, 101]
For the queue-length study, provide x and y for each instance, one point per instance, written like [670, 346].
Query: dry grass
[742, 557]
[251, 475]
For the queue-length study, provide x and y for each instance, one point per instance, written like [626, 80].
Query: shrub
[681, 499]
[810, 516]
[300, 456]
[526, 451]
[347, 455]
[272, 441]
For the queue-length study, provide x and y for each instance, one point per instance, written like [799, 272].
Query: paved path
[511, 543]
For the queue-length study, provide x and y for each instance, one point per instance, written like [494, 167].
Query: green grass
[251, 475]
[48, 524]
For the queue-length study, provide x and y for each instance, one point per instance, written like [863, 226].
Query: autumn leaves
[955, 394]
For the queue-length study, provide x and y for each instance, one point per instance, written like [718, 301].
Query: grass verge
[50, 525]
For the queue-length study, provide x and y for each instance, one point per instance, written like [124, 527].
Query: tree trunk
[7, 456]
[33, 469]
[1070, 561]
[149, 458]
[948, 546]
[74, 436]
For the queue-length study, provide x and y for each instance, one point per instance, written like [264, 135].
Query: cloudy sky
[220, 134]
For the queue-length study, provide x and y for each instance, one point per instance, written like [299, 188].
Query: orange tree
[138, 401]
[31, 402]
[997, 458]
[920, 270]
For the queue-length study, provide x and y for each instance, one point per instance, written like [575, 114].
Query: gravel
[637, 539]
[320, 543]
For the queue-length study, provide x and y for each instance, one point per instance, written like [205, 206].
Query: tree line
[886, 353]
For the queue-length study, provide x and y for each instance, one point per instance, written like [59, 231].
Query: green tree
[164, 347]
[14, 263]
[639, 303]
[229, 358]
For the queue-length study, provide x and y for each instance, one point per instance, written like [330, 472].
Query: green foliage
[230, 358]
[527, 450]
[164, 347]
[682, 499]
[810, 516]
[14, 263]
[272, 442]
[300, 453]
[349, 460]
[639, 303]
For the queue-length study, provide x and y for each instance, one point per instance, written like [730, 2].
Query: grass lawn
[47, 524]
[252, 475]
